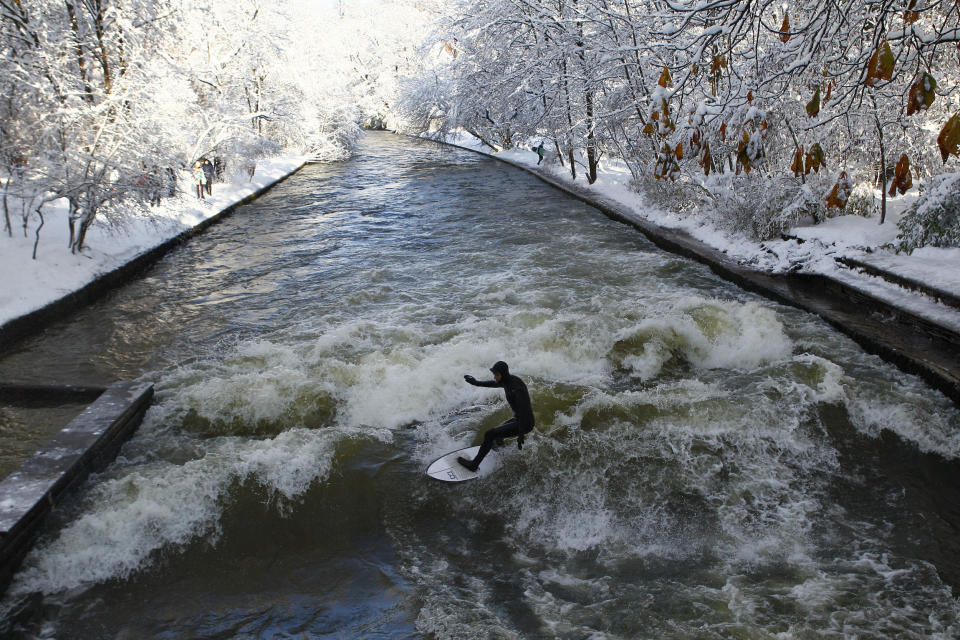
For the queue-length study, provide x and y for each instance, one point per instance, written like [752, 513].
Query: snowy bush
[765, 206]
[673, 196]
[861, 201]
[934, 219]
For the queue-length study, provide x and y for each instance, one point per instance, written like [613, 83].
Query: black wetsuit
[519, 400]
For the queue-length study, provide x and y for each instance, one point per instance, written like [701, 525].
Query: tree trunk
[71, 221]
[100, 30]
[566, 96]
[883, 162]
[6, 210]
[593, 162]
[36, 240]
[592, 159]
[82, 234]
[883, 172]
[25, 216]
[78, 51]
[479, 136]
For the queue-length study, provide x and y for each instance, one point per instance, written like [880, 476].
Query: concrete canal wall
[87, 444]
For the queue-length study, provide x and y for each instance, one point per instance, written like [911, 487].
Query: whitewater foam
[707, 334]
[150, 507]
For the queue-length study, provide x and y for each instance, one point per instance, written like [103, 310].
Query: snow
[938, 269]
[810, 248]
[30, 284]
[851, 232]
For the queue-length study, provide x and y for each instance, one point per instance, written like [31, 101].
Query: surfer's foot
[467, 463]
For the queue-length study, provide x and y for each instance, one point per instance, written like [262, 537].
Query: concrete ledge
[905, 339]
[87, 444]
[945, 297]
[35, 321]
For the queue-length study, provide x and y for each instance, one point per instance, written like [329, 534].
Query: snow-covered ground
[27, 284]
[811, 248]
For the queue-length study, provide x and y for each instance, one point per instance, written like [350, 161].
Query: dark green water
[706, 464]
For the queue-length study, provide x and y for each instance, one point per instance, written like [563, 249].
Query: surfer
[519, 400]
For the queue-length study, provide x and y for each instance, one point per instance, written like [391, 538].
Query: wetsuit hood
[501, 368]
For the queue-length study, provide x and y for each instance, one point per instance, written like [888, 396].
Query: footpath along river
[706, 463]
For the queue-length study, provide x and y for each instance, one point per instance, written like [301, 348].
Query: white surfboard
[447, 469]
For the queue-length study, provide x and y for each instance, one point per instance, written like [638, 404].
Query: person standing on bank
[199, 178]
[208, 173]
[519, 400]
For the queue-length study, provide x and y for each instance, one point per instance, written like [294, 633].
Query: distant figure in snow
[171, 182]
[143, 183]
[218, 167]
[207, 167]
[156, 186]
[540, 151]
[199, 178]
[519, 425]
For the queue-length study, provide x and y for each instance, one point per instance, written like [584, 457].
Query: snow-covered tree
[104, 99]
[769, 110]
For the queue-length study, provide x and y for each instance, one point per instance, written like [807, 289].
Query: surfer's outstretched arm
[481, 383]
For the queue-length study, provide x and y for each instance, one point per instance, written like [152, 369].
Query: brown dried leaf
[665, 79]
[743, 157]
[909, 16]
[881, 65]
[840, 193]
[797, 165]
[949, 138]
[813, 107]
[922, 94]
[814, 159]
[902, 180]
[785, 27]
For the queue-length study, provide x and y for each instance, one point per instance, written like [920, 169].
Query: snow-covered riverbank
[824, 249]
[29, 285]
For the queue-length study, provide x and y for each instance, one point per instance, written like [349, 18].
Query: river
[706, 463]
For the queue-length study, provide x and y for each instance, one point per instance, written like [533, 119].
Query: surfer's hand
[469, 378]
[520, 441]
